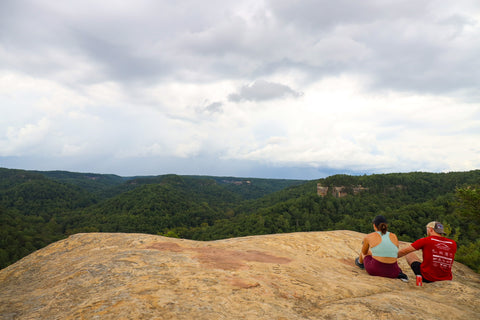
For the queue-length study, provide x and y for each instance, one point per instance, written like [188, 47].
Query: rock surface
[284, 276]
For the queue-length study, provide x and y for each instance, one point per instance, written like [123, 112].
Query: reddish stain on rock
[222, 258]
[166, 246]
[240, 283]
[231, 259]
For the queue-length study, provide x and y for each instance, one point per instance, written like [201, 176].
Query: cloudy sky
[252, 88]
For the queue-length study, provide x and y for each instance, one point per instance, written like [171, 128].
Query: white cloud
[25, 139]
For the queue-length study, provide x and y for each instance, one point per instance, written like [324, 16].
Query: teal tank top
[386, 248]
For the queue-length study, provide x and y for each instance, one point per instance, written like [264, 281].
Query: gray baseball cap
[436, 226]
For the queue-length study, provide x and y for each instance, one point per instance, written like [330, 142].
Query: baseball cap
[379, 219]
[436, 226]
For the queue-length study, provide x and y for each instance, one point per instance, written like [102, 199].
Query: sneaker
[402, 276]
[360, 265]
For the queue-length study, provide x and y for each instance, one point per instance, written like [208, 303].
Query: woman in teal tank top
[379, 252]
[386, 248]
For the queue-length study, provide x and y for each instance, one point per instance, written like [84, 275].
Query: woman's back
[384, 248]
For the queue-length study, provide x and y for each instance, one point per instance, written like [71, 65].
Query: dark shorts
[417, 270]
[380, 269]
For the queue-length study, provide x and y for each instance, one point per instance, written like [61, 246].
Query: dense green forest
[38, 208]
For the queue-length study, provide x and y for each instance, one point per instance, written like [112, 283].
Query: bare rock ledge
[308, 275]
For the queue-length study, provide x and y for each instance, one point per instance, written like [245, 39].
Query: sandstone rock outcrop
[284, 276]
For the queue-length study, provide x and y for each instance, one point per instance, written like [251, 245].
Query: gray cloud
[211, 108]
[409, 45]
[323, 15]
[262, 90]
[214, 107]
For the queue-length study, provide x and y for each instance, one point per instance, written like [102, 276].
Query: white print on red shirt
[442, 261]
[441, 256]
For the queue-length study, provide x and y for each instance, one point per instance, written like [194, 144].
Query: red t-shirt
[438, 255]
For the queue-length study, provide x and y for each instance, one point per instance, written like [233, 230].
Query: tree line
[38, 208]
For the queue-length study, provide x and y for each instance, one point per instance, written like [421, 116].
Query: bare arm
[405, 251]
[366, 246]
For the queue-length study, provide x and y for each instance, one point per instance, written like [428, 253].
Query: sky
[255, 88]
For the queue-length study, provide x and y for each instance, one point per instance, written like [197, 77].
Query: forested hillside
[37, 208]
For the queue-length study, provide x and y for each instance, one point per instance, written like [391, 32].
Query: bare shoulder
[371, 235]
[393, 238]
[393, 235]
[373, 238]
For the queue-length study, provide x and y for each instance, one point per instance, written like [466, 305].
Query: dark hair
[381, 224]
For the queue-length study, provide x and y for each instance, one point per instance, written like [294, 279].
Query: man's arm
[405, 251]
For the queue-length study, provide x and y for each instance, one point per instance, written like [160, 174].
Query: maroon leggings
[380, 269]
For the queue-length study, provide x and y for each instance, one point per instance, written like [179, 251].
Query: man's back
[438, 255]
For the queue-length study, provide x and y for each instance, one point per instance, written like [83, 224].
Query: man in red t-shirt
[438, 254]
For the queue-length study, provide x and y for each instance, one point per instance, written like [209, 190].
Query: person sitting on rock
[438, 254]
[379, 252]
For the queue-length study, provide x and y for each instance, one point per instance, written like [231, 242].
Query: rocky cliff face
[283, 276]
